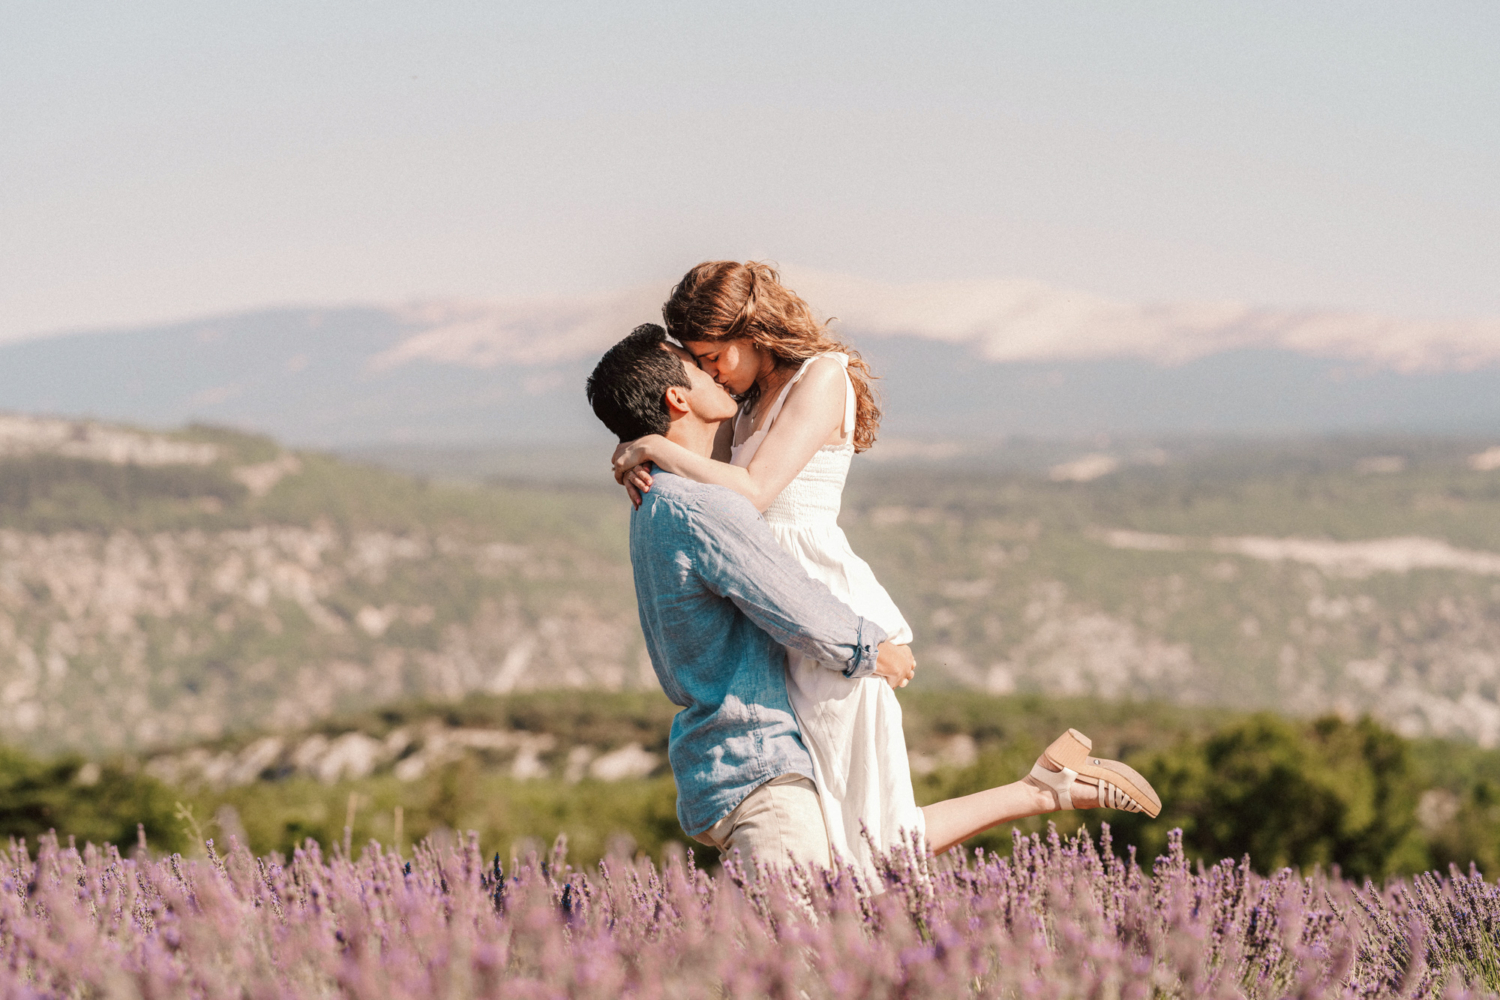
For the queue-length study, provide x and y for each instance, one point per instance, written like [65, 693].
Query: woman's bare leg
[953, 821]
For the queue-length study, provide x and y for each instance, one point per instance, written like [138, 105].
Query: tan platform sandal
[1120, 786]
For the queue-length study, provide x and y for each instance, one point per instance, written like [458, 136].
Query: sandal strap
[1060, 782]
[1114, 797]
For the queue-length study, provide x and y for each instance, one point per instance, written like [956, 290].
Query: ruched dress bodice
[815, 496]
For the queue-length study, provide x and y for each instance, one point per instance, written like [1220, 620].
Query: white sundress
[852, 728]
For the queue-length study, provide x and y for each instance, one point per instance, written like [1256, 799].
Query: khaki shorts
[780, 819]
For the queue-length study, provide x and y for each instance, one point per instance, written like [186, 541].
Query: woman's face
[734, 364]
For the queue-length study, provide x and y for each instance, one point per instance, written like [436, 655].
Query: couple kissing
[777, 641]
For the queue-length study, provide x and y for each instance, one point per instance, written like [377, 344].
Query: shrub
[1326, 792]
[102, 804]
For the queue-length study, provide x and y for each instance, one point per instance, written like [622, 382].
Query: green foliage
[1323, 793]
[235, 446]
[1009, 733]
[330, 490]
[1471, 834]
[1286, 792]
[102, 804]
[50, 493]
[508, 815]
[1029, 722]
[605, 719]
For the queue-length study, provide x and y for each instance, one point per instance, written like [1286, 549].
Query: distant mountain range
[959, 361]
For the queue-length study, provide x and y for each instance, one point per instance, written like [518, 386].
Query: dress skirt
[852, 728]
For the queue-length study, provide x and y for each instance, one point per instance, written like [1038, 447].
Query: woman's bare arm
[813, 411]
[638, 479]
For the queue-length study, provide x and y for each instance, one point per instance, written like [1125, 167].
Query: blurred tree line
[102, 803]
[1325, 792]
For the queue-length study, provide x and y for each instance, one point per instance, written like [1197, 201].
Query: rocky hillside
[161, 588]
[1348, 575]
[165, 589]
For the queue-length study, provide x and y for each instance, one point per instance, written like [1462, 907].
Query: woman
[806, 410]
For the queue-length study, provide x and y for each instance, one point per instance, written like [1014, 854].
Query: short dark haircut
[628, 388]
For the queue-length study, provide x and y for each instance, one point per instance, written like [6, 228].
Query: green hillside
[243, 586]
[1243, 575]
[165, 589]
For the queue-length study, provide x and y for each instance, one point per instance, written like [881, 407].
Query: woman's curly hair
[725, 300]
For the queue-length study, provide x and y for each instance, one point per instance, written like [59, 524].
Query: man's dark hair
[629, 385]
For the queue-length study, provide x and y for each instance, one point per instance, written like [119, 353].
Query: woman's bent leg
[953, 821]
[1066, 776]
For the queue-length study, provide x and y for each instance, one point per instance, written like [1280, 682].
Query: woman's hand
[894, 664]
[637, 481]
[629, 454]
[634, 474]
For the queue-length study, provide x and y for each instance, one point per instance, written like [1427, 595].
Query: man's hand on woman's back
[895, 664]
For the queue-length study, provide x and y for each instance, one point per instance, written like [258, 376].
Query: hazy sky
[162, 159]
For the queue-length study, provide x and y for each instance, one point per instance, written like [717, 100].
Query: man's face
[708, 399]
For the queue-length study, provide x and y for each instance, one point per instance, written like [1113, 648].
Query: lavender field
[1059, 917]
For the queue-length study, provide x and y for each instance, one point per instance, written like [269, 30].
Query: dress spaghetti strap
[741, 454]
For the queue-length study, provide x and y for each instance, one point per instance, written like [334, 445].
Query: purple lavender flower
[1059, 917]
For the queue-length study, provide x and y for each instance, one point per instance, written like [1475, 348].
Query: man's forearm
[740, 558]
[851, 647]
[742, 561]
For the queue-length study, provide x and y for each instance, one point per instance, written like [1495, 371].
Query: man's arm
[737, 557]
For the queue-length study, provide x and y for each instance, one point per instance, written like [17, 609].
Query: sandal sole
[1075, 751]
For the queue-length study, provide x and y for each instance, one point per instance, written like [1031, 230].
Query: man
[719, 603]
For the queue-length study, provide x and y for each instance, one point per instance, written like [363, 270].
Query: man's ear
[677, 401]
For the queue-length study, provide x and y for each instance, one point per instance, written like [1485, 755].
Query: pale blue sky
[161, 159]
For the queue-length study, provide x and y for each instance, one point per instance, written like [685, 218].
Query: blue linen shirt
[720, 601]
